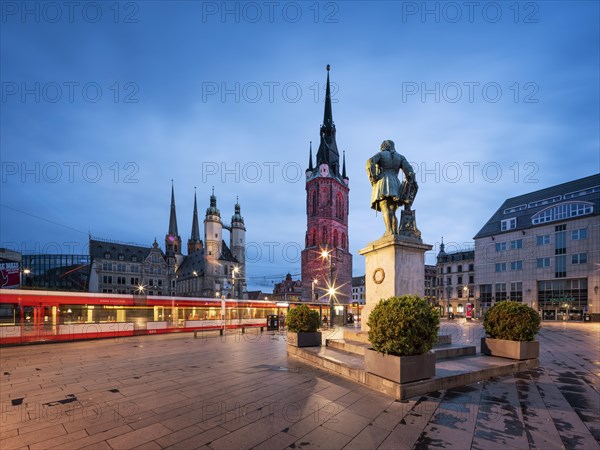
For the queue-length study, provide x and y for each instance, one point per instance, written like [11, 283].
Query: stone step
[442, 351]
[363, 336]
[449, 373]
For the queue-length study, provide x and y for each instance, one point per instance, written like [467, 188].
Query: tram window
[8, 314]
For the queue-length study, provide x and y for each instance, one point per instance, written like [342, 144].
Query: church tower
[237, 244]
[213, 239]
[327, 202]
[194, 242]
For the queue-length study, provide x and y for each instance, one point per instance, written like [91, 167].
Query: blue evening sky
[103, 103]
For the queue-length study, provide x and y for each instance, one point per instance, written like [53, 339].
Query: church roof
[192, 263]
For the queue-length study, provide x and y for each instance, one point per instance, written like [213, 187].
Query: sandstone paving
[236, 391]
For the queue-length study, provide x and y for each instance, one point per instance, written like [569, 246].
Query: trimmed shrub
[302, 319]
[512, 321]
[403, 326]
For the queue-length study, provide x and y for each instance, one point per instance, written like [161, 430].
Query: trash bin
[587, 317]
[272, 322]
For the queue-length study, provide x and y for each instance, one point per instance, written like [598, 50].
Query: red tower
[326, 260]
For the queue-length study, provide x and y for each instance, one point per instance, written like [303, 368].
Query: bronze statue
[388, 193]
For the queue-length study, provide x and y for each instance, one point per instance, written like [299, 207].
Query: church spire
[344, 166]
[173, 216]
[328, 115]
[310, 159]
[195, 228]
[172, 239]
[328, 153]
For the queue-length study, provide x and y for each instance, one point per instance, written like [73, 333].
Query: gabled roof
[524, 207]
[98, 250]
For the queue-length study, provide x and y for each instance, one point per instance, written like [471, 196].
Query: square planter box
[510, 349]
[304, 339]
[400, 369]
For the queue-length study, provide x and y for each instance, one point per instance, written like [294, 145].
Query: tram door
[38, 321]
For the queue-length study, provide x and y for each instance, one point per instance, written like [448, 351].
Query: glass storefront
[563, 299]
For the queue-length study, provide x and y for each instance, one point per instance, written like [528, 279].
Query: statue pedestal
[395, 266]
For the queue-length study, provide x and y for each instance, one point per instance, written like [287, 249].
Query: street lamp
[314, 282]
[23, 272]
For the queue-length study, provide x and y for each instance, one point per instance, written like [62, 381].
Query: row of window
[459, 280]
[542, 239]
[576, 258]
[134, 281]
[459, 268]
[134, 268]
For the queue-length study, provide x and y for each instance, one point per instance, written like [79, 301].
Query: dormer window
[107, 255]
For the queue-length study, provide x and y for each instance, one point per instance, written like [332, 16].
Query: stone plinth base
[395, 266]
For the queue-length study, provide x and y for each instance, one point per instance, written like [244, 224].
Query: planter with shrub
[402, 331]
[303, 323]
[511, 328]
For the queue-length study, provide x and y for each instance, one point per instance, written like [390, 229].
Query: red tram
[37, 316]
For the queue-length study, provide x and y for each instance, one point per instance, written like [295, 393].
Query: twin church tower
[211, 268]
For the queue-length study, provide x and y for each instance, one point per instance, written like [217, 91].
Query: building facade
[430, 284]
[288, 290]
[120, 268]
[543, 249]
[210, 269]
[56, 272]
[326, 259]
[455, 285]
[359, 290]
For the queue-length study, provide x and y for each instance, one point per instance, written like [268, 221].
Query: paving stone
[174, 392]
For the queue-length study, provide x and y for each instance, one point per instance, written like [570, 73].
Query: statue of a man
[388, 193]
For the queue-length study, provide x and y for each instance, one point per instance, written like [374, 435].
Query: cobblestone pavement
[241, 391]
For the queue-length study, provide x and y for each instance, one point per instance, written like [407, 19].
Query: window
[516, 265]
[120, 267]
[459, 291]
[516, 244]
[543, 239]
[159, 283]
[459, 279]
[459, 269]
[500, 292]
[579, 258]
[560, 266]
[516, 291]
[562, 211]
[500, 267]
[107, 255]
[121, 257]
[134, 258]
[449, 281]
[543, 262]
[134, 281]
[448, 269]
[579, 234]
[500, 246]
[471, 279]
[120, 280]
[471, 267]
[485, 294]
[560, 240]
[107, 279]
[508, 224]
